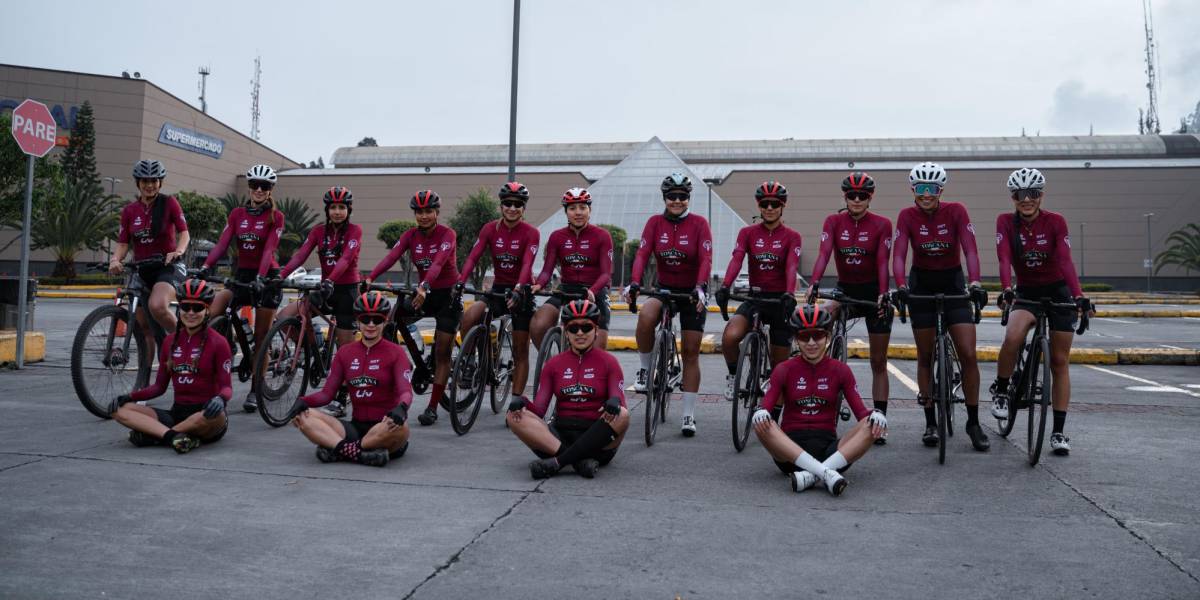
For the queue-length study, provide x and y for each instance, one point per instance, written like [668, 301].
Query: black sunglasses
[677, 197]
[264, 186]
[807, 336]
[192, 307]
[1023, 194]
[580, 328]
[858, 196]
[770, 204]
[372, 319]
[512, 204]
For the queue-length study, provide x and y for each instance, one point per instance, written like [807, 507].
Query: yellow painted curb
[1157, 356]
[615, 306]
[76, 287]
[1093, 356]
[77, 295]
[35, 346]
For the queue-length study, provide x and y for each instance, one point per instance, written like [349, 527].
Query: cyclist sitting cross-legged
[804, 444]
[590, 417]
[774, 255]
[681, 244]
[377, 372]
[195, 361]
[1036, 244]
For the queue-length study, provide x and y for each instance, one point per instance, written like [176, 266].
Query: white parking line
[1171, 347]
[1146, 381]
[908, 383]
[1192, 318]
[1116, 320]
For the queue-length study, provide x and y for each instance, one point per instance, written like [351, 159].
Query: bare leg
[140, 418]
[320, 428]
[533, 432]
[880, 387]
[1060, 354]
[199, 426]
[520, 361]
[384, 435]
[963, 336]
[924, 341]
[735, 330]
[160, 305]
[647, 320]
[690, 356]
[543, 319]
[443, 346]
[220, 301]
[1019, 324]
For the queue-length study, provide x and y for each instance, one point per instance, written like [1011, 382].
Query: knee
[878, 363]
[1060, 363]
[122, 415]
[690, 354]
[967, 358]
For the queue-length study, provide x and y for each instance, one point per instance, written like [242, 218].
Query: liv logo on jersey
[578, 389]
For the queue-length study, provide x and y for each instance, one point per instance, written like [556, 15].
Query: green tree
[47, 179]
[618, 243]
[1183, 250]
[471, 214]
[206, 216]
[389, 233]
[367, 142]
[298, 219]
[630, 250]
[79, 219]
[79, 159]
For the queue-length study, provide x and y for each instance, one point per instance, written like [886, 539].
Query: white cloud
[1076, 109]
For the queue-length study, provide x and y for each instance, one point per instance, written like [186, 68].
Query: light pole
[711, 181]
[1082, 256]
[112, 191]
[512, 100]
[1149, 263]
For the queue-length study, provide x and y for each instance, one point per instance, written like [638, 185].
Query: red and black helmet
[339, 195]
[425, 199]
[372, 303]
[858, 181]
[196, 290]
[513, 190]
[581, 309]
[771, 189]
[577, 195]
[809, 317]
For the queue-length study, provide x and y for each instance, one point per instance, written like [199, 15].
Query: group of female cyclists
[583, 387]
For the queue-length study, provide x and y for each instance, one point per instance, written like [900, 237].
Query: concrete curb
[35, 346]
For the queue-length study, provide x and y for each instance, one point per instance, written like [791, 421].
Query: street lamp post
[1082, 256]
[1149, 263]
[711, 181]
[512, 101]
[112, 191]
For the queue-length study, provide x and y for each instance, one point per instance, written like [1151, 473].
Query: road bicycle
[294, 352]
[842, 324]
[235, 329]
[753, 369]
[485, 358]
[666, 368]
[552, 342]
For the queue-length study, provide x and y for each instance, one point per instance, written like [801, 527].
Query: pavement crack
[28, 462]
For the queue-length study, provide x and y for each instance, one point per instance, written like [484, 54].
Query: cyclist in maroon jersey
[513, 245]
[681, 244]
[774, 256]
[377, 372]
[938, 231]
[860, 241]
[431, 249]
[583, 254]
[257, 226]
[804, 444]
[195, 363]
[1036, 244]
[590, 417]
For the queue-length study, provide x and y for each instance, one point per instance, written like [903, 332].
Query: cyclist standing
[681, 244]
[377, 372]
[583, 254]
[257, 226]
[153, 225]
[804, 444]
[590, 417]
[431, 249]
[513, 244]
[938, 231]
[1036, 244]
[861, 243]
[774, 255]
[195, 362]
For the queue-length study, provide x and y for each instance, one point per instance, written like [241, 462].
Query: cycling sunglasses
[512, 204]
[927, 189]
[1019, 195]
[580, 328]
[372, 319]
[192, 307]
[677, 197]
[770, 204]
[264, 186]
[805, 337]
[858, 196]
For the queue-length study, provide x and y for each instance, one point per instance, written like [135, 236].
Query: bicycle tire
[550, 347]
[672, 375]
[95, 396]
[838, 351]
[1039, 401]
[274, 357]
[942, 396]
[1015, 385]
[953, 383]
[656, 381]
[502, 366]
[746, 389]
[471, 364]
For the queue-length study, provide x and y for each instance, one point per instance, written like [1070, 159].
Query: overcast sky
[624, 70]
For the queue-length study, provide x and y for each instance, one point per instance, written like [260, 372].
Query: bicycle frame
[841, 329]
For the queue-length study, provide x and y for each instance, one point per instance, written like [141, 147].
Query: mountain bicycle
[485, 358]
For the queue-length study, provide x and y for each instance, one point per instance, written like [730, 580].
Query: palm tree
[81, 219]
[1183, 250]
[298, 219]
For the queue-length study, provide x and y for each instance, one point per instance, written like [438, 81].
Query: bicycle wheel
[1005, 426]
[502, 365]
[941, 395]
[551, 346]
[954, 384]
[673, 377]
[102, 366]
[1038, 394]
[747, 390]
[838, 351]
[283, 362]
[657, 379]
[467, 378]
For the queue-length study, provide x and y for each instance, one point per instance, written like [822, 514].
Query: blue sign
[191, 140]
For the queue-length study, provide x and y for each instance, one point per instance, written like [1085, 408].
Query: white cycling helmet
[261, 173]
[1026, 179]
[927, 172]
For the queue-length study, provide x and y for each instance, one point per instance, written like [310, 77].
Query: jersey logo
[227, 365]
[810, 405]
[576, 260]
[707, 245]
[363, 381]
[935, 247]
[423, 263]
[577, 390]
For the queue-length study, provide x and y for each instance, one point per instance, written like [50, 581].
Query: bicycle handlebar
[488, 293]
[660, 294]
[1046, 304]
[902, 307]
[841, 298]
[767, 301]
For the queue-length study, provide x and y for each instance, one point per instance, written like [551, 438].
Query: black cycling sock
[881, 406]
[1060, 419]
[169, 436]
[349, 450]
[930, 417]
[1001, 384]
[732, 366]
[972, 414]
[599, 435]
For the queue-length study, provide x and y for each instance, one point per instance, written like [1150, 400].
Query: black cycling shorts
[1060, 319]
[689, 318]
[174, 274]
[340, 304]
[178, 413]
[568, 431]
[601, 301]
[819, 443]
[949, 281]
[356, 431]
[781, 332]
[868, 292]
[441, 305]
[271, 296]
[499, 307]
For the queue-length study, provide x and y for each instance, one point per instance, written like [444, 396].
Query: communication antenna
[255, 87]
[1152, 86]
[204, 72]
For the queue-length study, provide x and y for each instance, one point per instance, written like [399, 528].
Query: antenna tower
[1151, 119]
[204, 72]
[255, 87]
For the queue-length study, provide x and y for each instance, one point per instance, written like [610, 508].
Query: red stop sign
[33, 128]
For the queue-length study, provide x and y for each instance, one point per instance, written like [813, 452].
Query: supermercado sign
[187, 139]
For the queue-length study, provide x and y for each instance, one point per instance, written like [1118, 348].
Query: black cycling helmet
[425, 199]
[149, 169]
[196, 290]
[372, 303]
[771, 189]
[581, 309]
[808, 317]
[339, 195]
[676, 182]
[858, 181]
[513, 190]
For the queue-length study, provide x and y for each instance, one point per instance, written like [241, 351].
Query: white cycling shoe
[730, 381]
[834, 482]
[1060, 444]
[639, 383]
[802, 480]
[689, 426]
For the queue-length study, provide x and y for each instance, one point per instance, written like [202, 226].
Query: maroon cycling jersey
[337, 251]
[197, 368]
[810, 393]
[256, 237]
[580, 383]
[584, 257]
[377, 379]
[862, 249]
[1045, 251]
[513, 252]
[682, 251]
[774, 257]
[136, 223]
[431, 253]
[936, 239]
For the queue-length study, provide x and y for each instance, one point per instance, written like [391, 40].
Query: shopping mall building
[1105, 186]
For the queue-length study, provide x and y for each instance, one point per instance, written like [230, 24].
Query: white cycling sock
[689, 404]
[645, 357]
[808, 463]
[835, 461]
